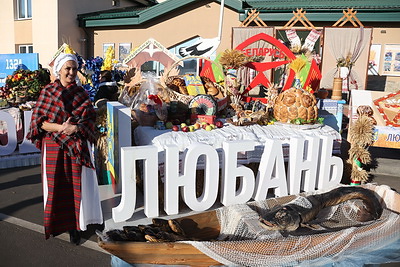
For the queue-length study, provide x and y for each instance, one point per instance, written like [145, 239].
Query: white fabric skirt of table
[145, 135]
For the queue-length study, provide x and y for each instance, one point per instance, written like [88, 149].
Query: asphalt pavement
[21, 219]
[21, 227]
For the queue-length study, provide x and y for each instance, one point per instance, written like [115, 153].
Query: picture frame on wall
[123, 51]
[374, 59]
[106, 46]
[391, 60]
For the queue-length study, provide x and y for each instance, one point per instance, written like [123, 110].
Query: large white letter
[172, 180]
[27, 146]
[330, 167]
[303, 164]
[126, 207]
[231, 171]
[11, 133]
[187, 181]
[211, 175]
[271, 172]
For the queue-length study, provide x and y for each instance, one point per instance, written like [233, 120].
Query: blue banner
[11, 62]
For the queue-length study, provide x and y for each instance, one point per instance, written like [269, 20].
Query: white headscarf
[60, 60]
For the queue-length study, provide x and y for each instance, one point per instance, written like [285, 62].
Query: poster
[11, 62]
[391, 60]
[374, 59]
[386, 113]
[123, 51]
[105, 47]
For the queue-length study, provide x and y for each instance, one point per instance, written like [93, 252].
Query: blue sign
[11, 62]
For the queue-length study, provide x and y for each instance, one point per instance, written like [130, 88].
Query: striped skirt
[70, 191]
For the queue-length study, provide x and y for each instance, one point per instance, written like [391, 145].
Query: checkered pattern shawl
[56, 104]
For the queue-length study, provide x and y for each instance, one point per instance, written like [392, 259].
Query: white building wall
[53, 22]
[7, 27]
[44, 29]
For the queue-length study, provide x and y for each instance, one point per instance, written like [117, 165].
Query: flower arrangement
[344, 62]
[300, 50]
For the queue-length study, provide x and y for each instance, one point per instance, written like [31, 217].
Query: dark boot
[74, 237]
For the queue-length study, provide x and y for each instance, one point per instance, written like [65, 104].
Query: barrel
[337, 89]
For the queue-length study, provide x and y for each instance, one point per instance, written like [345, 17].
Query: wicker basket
[185, 98]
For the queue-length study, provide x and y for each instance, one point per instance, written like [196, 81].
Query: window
[22, 49]
[24, 9]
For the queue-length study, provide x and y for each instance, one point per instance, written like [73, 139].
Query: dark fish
[290, 217]
[176, 227]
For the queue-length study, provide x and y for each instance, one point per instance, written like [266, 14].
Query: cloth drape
[347, 42]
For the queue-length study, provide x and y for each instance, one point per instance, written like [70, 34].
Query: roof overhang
[137, 16]
[272, 10]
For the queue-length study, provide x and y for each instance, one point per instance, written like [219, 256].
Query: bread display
[293, 104]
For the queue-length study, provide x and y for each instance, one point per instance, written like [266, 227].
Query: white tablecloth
[145, 135]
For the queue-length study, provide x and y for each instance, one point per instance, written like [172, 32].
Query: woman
[62, 126]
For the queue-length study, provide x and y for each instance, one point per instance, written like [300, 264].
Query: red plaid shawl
[56, 104]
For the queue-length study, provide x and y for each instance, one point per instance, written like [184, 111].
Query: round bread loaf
[294, 104]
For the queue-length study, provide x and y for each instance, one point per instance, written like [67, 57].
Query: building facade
[41, 26]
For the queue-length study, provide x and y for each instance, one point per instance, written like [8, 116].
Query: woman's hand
[51, 127]
[68, 128]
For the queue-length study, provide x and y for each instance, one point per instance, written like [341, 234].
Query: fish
[290, 217]
[160, 230]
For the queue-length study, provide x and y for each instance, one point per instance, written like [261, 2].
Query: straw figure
[360, 138]
[232, 60]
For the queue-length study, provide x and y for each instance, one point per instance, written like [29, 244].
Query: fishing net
[340, 231]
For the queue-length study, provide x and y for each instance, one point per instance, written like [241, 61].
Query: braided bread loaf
[295, 103]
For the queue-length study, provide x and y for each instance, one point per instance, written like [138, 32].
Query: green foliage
[300, 121]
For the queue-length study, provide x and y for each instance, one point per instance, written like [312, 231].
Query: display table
[145, 135]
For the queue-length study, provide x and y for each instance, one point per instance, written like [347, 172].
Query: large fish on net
[290, 217]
